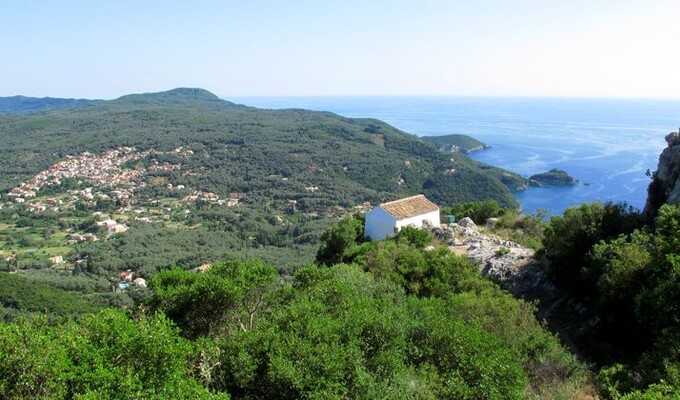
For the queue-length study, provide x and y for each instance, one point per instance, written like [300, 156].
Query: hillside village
[88, 181]
[105, 177]
[91, 197]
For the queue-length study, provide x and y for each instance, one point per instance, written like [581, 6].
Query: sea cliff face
[665, 186]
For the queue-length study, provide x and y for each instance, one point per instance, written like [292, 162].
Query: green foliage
[629, 280]
[658, 391]
[433, 273]
[33, 363]
[106, 355]
[227, 297]
[429, 328]
[340, 238]
[478, 211]
[667, 229]
[416, 237]
[341, 333]
[25, 295]
[502, 251]
[338, 334]
[216, 235]
[660, 298]
[622, 263]
[568, 240]
[526, 230]
[472, 363]
[615, 380]
[401, 322]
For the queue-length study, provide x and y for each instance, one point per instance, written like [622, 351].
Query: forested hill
[27, 105]
[318, 159]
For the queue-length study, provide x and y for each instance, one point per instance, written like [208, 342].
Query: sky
[559, 48]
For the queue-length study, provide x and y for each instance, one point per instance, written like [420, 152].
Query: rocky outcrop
[665, 186]
[506, 262]
[500, 259]
[467, 222]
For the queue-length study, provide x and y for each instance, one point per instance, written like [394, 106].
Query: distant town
[112, 176]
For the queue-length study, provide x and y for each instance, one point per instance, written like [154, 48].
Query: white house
[386, 219]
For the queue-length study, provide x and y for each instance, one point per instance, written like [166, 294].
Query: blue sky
[575, 48]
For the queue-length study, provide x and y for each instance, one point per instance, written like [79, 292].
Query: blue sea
[607, 144]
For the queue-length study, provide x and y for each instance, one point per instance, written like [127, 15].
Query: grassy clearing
[57, 250]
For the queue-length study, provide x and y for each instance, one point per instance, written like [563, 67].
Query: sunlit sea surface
[607, 144]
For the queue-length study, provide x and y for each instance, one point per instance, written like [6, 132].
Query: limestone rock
[506, 262]
[665, 186]
[491, 222]
[467, 222]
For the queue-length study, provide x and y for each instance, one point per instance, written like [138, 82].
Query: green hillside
[19, 105]
[150, 181]
[17, 292]
[455, 143]
[249, 150]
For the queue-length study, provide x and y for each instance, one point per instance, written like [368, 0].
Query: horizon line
[322, 96]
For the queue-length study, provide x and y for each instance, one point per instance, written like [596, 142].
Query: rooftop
[409, 206]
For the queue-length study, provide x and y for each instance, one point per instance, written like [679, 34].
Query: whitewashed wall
[417, 221]
[379, 224]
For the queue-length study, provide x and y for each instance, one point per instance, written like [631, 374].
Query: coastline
[607, 143]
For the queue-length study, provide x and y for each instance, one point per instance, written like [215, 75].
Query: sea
[610, 145]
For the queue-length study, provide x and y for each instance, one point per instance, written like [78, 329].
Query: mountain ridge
[21, 105]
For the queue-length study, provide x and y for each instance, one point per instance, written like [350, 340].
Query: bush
[502, 251]
[568, 240]
[419, 238]
[339, 238]
[479, 211]
[105, 355]
[526, 230]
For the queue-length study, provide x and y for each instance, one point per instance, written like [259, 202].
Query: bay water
[607, 144]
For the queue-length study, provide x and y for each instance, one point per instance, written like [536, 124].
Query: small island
[455, 143]
[554, 177]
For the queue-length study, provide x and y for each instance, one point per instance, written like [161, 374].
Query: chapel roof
[409, 206]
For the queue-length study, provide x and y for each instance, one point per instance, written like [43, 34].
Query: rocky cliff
[665, 186]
